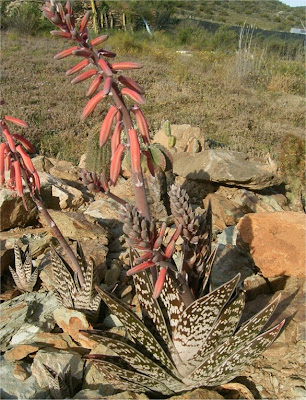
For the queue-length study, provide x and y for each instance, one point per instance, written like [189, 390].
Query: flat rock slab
[276, 242]
[25, 316]
[12, 388]
[225, 167]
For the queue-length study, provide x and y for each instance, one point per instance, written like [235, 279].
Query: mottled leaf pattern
[174, 305]
[137, 382]
[129, 353]
[24, 276]
[68, 290]
[197, 320]
[151, 306]
[60, 385]
[137, 329]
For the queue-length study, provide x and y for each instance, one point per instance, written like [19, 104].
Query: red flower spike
[85, 75]
[105, 67]
[9, 140]
[118, 116]
[84, 21]
[7, 162]
[91, 105]
[68, 21]
[99, 40]
[171, 245]
[140, 267]
[107, 125]
[125, 65]
[133, 95]
[94, 85]
[115, 141]
[134, 151]
[82, 53]
[36, 181]
[66, 35]
[26, 144]
[78, 67]
[68, 7]
[105, 53]
[26, 159]
[162, 229]
[142, 124]
[16, 121]
[3, 151]
[61, 11]
[130, 84]
[65, 53]
[18, 179]
[159, 283]
[115, 166]
[107, 85]
[145, 257]
[158, 242]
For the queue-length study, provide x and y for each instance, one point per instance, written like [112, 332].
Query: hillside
[269, 15]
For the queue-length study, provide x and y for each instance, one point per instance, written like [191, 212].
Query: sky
[294, 3]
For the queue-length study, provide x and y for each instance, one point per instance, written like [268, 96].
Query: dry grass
[202, 90]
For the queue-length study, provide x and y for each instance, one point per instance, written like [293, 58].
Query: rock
[230, 261]
[42, 164]
[25, 316]
[112, 274]
[82, 162]
[60, 194]
[20, 373]
[20, 351]
[225, 167]
[225, 212]
[12, 388]
[13, 213]
[58, 360]
[76, 226]
[71, 322]
[204, 394]
[6, 256]
[276, 242]
[185, 136]
[228, 236]
[89, 394]
[129, 396]
[106, 211]
[64, 170]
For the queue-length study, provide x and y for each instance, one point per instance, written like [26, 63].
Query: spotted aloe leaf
[197, 320]
[129, 353]
[137, 381]
[137, 329]
[24, 275]
[240, 340]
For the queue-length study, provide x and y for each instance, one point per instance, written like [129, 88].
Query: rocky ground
[258, 235]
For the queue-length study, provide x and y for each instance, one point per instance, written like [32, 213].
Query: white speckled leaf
[221, 330]
[197, 320]
[137, 381]
[246, 333]
[137, 329]
[172, 301]
[238, 361]
[126, 350]
[151, 306]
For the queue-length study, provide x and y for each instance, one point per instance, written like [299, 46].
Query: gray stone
[89, 394]
[24, 316]
[228, 263]
[58, 360]
[198, 394]
[13, 213]
[225, 167]
[13, 388]
[228, 236]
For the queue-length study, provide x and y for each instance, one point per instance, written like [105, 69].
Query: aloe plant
[24, 275]
[60, 384]
[68, 290]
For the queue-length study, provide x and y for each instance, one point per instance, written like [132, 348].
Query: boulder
[13, 213]
[276, 242]
[24, 316]
[225, 167]
[16, 388]
[61, 194]
[204, 394]
[188, 138]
